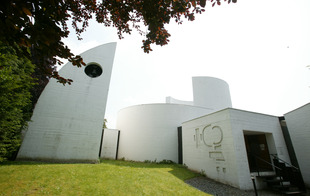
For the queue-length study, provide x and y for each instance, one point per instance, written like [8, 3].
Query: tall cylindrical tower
[211, 93]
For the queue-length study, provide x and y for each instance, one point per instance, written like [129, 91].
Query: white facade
[215, 144]
[67, 121]
[211, 93]
[298, 123]
[215, 139]
[176, 101]
[149, 132]
[109, 146]
[225, 144]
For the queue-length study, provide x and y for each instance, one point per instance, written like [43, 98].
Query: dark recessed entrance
[258, 153]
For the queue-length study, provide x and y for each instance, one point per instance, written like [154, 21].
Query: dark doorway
[180, 149]
[258, 153]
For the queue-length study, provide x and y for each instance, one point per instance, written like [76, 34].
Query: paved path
[218, 189]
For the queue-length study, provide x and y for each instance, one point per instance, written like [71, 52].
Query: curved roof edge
[166, 104]
[215, 78]
[101, 45]
[170, 99]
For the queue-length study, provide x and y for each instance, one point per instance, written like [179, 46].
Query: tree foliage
[32, 31]
[15, 102]
[41, 24]
[105, 122]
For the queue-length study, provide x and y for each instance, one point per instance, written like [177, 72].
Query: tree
[15, 102]
[41, 25]
[105, 122]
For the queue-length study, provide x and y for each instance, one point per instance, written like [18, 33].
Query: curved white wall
[67, 121]
[211, 93]
[176, 101]
[149, 132]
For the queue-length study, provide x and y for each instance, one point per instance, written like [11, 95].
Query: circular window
[93, 70]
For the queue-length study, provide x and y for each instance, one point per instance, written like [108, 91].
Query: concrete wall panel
[67, 121]
[149, 132]
[211, 93]
[251, 122]
[176, 101]
[208, 147]
[298, 123]
[109, 144]
[233, 167]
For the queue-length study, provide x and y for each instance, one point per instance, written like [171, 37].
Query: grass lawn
[110, 177]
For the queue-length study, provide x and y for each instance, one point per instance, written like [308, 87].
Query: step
[292, 192]
[281, 187]
[273, 180]
[268, 176]
[263, 173]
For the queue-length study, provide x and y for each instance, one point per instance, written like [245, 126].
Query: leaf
[193, 3]
[203, 3]
[24, 42]
[26, 11]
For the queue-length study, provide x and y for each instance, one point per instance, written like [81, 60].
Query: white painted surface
[256, 123]
[216, 161]
[226, 161]
[109, 144]
[149, 132]
[298, 123]
[211, 93]
[176, 101]
[67, 121]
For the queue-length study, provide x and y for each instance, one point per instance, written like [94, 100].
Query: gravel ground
[218, 189]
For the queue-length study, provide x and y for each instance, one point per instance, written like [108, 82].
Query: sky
[260, 48]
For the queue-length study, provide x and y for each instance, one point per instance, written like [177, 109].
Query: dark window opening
[93, 70]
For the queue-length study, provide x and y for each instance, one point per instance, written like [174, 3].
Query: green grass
[107, 178]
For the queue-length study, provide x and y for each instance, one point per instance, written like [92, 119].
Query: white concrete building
[206, 134]
[211, 92]
[67, 121]
[219, 145]
[149, 132]
[298, 124]
[109, 143]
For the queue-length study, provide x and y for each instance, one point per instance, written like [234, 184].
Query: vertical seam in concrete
[116, 154]
[101, 143]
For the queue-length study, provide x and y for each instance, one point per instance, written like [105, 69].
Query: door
[258, 153]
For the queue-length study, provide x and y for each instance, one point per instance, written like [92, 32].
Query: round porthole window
[93, 70]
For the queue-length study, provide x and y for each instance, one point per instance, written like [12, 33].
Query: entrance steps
[278, 184]
[286, 179]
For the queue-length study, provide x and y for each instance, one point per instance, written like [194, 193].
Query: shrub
[15, 103]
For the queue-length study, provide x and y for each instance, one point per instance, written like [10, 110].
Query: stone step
[292, 192]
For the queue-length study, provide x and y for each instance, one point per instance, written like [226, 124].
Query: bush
[15, 104]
